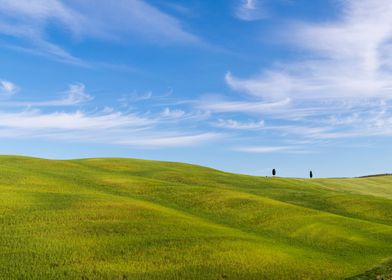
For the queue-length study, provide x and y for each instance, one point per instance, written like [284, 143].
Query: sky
[238, 85]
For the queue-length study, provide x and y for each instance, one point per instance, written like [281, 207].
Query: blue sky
[239, 85]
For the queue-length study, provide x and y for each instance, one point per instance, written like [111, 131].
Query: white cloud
[27, 21]
[346, 58]
[256, 106]
[169, 113]
[34, 120]
[76, 94]
[108, 110]
[269, 149]
[177, 115]
[341, 86]
[129, 100]
[270, 86]
[179, 140]
[249, 10]
[233, 124]
[108, 128]
[120, 20]
[7, 88]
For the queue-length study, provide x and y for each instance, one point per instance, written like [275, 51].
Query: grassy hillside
[136, 219]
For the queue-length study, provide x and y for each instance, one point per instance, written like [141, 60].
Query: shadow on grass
[381, 272]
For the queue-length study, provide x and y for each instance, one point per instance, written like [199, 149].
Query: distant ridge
[376, 175]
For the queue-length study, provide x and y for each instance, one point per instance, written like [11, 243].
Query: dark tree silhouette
[311, 174]
[273, 172]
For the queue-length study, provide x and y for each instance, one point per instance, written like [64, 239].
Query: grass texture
[137, 219]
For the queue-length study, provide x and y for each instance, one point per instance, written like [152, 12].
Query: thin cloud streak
[223, 106]
[36, 120]
[174, 141]
[75, 95]
[269, 149]
[110, 21]
[341, 88]
[7, 88]
[249, 10]
[107, 128]
[234, 124]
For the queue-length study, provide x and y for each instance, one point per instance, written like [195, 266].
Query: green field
[137, 219]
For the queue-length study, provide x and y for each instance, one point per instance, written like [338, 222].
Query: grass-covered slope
[135, 219]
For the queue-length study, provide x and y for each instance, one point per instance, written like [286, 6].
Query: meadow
[138, 219]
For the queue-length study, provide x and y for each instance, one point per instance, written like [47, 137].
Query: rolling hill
[138, 219]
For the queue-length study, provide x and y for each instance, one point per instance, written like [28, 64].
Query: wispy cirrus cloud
[27, 22]
[249, 10]
[57, 120]
[341, 87]
[173, 113]
[235, 124]
[169, 140]
[120, 21]
[346, 59]
[132, 129]
[218, 104]
[7, 88]
[36, 120]
[270, 149]
[76, 94]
